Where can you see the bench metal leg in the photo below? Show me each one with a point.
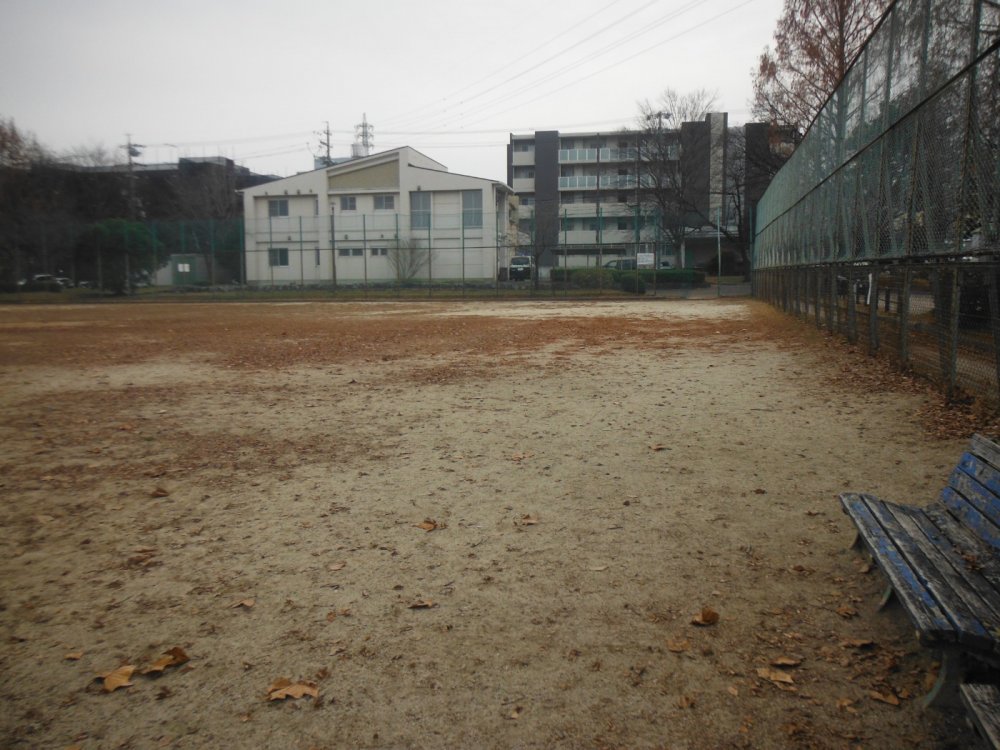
(856, 544)
(945, 690)
(888, 597)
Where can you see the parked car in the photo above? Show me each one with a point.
(520, 268)
(64, 282)
(621, 264)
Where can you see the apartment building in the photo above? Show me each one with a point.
(583, 194)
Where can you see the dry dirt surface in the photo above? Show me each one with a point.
(451, 525)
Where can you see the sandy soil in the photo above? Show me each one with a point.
(454, 525)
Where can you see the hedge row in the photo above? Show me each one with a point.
(589, 278)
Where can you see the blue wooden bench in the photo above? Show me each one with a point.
(942, 562)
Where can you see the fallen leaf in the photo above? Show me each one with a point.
(733, 691)
(685, 701)
(889, 698)
(678, 645)
(284, 688)
(657, 447)
(775, 675)
(528, 520)
(159, 492)
(171, 658)
(422, 604)
(707, 616)
(857, 643)
(245, 603)
(847, 611)
(760, 492)
(516, 713)
(786, 661)
(598, 568)
(429, 524)
(339, 565)
(117, 678)
(74, 656)
(846, 704)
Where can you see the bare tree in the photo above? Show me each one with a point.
(815, 42)
(408, 259)
(663, 188)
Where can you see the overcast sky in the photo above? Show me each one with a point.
(254, 79)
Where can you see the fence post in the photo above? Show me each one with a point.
(903, 308)
(873, 311)
(994, 296)
(831, 297)
(852, 307)
(817, 296)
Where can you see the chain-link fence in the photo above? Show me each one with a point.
(884, 223)
(937, 319)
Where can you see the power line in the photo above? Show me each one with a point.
(615, 64)
(590, 56)
(412, 114)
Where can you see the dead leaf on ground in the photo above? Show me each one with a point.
(846, 704)
(775, 675)
(516, 713)
(733, 691)
(678, 645)
(159, 492)
(422, 604)
(857, 643)
(889, 698)
(707, 616)
(847, 611)
(172, 658)
(339, 565)
(74, 656)
(786, 661)
(244, 603)
(528, 520)
(657, 447)
(521, 456)
(598, 568)
(685, 701)
(429, 524)
(117, 678)
(283, 688)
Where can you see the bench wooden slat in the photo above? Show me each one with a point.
(964, 542)
(976, 482)
(987, 450)
(966, 512)
(946, 578)
(983, 703)
(930, 620)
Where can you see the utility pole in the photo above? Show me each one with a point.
(131, 150)
(325, 143)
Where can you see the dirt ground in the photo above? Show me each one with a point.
(451, 525)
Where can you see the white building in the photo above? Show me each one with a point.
(395, 216)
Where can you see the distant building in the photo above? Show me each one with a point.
(586, 193)
(395, 216)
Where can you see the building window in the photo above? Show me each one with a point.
(420, 210)
(183, 268)
(277, 207)
(472, 209)
(385, 202)
(317, 256)
(623, 224)
(348, 203)
(277, 256)
(358, 252)
(344, 252)
(524, 146)
(527, 200)
(380, 252)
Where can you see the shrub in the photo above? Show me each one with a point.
(633, 285)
